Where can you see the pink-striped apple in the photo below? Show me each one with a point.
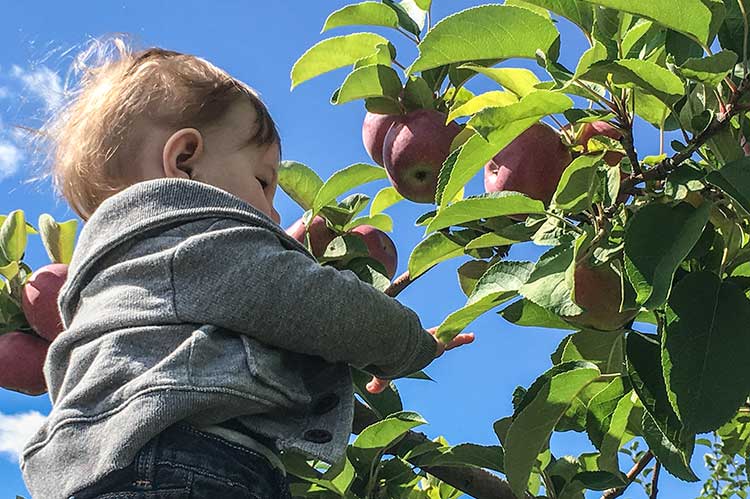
(39, 299)
(414, 150)
(374, 129)
(532, 164)
(320, 234)
(379, 246)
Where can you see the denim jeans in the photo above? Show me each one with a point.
(182, 463)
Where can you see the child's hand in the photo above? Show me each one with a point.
(377, 385)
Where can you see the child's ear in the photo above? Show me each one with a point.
(181, 153)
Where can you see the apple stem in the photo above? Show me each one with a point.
(575, 228)
(399, 64)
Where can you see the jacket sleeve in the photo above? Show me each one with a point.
(241, 277)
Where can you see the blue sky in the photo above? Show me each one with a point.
(258, 43)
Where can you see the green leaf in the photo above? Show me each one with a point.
(423, 4)
(482, 456)
(644, 75)
(13, 237)
(383, 55)
(579, 13)
(613, 433)
(334, 53)
(735, 435)
(495, 98)
(345, 180)
(498, 284)
(58, 238)
(491, 240)
(370, 271)
(494, 204)
(578, 184)
(385, 198)
(367, 13)
(666, 434)
(732, 30)
(705, 349)
(709, 70)
(299, 182)
(368, 447)
(384, 403)
(547, 286)
(734, 179)
(408, 15)
(434, 249)
(531, 428)
(418, 95)
(344, 247)
(657, 239)
(605, 349)
(375, 80)
(602, 407)
(675, 460)
(694, 16)
(379, 220)
(485, 32)
(517, 80)
(469, 273)
(493, 123)
(9, 271)
(461, 165)
(529, 314)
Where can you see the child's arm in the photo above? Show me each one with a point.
(241, 278)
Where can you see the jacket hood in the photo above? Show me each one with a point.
(148, 205)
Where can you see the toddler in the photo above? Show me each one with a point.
(201, 341)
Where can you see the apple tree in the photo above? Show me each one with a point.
(647, 260)
(648, 256)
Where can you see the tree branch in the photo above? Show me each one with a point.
(632, 474)
(399, 284)
(475, 482)
(655, 481)
(667, 165)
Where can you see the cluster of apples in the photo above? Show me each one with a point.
(412, 148)
(379, 245)
(22, 354)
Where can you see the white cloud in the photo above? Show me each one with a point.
(42, 82)
(16, 430)
(4, 92)
(10, 160)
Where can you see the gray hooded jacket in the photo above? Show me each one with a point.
(185, 303)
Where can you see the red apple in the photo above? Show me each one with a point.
(320, 234)
(414, 150)
(22, 361)
(39, 300)
(532, 164)
(598, 291)
(379, 246)
(374, 129)
(596, 128)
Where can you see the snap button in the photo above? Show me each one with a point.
(318, 436)
(325, 403)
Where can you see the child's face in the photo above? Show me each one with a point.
(223, 158)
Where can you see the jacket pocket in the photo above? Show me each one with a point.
(279, 370)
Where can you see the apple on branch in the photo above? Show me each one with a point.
(39, 300)
(374, 129)
(379, 246)
(531, 164)
(414, 150)
(22, 362)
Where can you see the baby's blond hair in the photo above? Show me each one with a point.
(94, 139)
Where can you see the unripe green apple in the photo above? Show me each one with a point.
(532, 164)
(39, 299)
(320, 234)
(414, 151)
(22, 362)
(374, 129)
(380, 247)
(598, 291)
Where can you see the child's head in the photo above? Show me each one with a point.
(157, 113)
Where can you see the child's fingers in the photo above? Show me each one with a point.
(459, 340)
(376, 385)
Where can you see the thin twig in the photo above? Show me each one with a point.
(399, 64)
(399, 284)
(655, 481)
(408, 35)
(632, 474)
